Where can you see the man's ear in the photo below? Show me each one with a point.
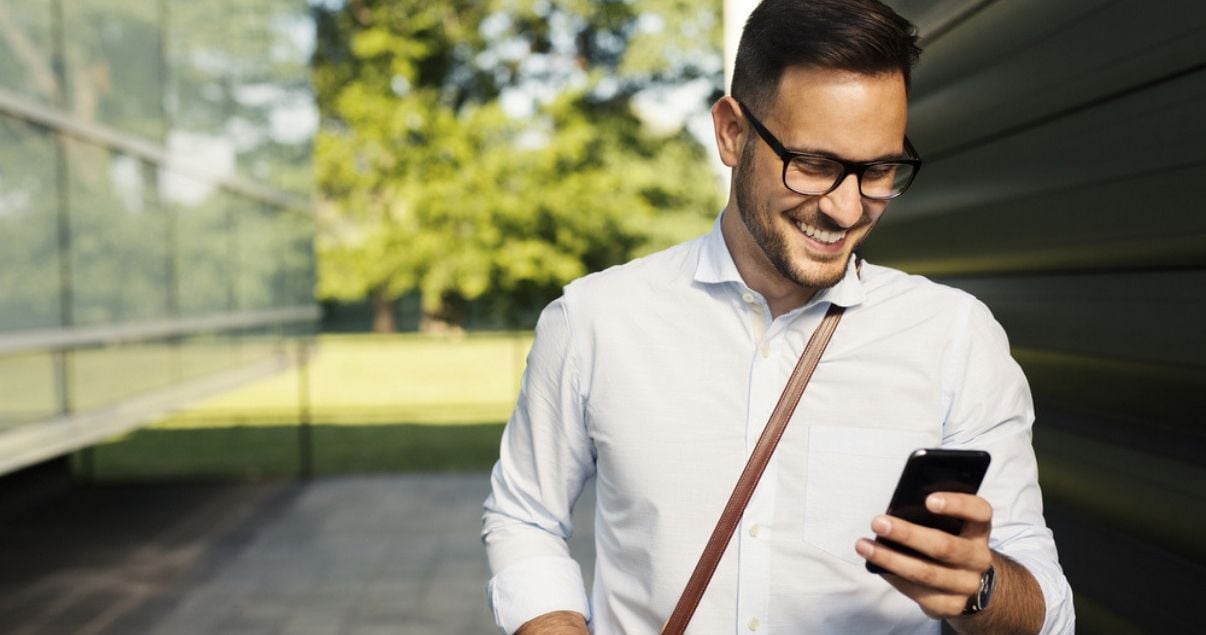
(730, 126)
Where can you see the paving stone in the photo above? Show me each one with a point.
(353, 555)
(306, 621)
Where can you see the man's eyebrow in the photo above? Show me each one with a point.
(893, 156)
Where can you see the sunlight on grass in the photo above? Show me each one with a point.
(375, 402)
(367, 379)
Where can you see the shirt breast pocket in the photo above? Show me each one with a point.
(851, 474)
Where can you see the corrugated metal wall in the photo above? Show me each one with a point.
(1065, 185)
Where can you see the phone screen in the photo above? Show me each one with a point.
(928, 471)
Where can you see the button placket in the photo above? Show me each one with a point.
(759, 317)
(754, 557)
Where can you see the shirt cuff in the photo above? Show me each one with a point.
(535, 586)
(1059, 617)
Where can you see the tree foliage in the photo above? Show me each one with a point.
(490, 151)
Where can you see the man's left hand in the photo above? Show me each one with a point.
(943, 585)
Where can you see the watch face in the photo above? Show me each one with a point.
(979, 601)
(987, 582)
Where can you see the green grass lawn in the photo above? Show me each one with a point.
(364, 379)
(375, 403)
(252, 452)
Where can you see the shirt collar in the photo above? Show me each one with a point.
(847, 292)
(716, 266)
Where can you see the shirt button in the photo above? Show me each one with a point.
(765, 350)
(755, 530)
(748, 297)
(754, 624)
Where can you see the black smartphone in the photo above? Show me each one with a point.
(928, 471)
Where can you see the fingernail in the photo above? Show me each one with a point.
(936, 502)
(864, 548)
(881, 525)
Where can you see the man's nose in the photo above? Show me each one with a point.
(845, 203)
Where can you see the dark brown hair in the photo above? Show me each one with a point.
(861, 36)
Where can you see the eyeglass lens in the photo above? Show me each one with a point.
(817, 175)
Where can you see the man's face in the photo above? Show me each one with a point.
(808, 240)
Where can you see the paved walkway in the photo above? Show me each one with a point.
(354, 555)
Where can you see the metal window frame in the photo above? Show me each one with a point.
(75, 337)
(25, 444)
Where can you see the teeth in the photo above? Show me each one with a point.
(820, 234)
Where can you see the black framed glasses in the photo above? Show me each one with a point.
(818, 174)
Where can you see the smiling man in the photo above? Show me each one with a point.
(657, 377)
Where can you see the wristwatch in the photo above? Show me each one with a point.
(979, 601)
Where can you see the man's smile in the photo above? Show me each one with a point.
(821, 235)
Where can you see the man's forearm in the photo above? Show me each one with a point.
(1016, 607)
(555, 623)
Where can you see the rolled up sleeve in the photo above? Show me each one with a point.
(545, 458)
(991, 409)
(536, 586)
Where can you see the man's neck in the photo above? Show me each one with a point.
(758, 272)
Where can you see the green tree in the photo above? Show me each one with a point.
(428, 183)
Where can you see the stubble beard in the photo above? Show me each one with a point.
(758, 220)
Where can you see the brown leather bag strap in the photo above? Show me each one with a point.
(754, 468)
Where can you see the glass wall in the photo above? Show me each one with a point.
(116, 238)
(29, 221)
(238, 89)
(155, 216)
(28, 29)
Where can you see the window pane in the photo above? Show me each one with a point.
(29, 254)
(240, 70)
(275, 252)
(299, 262)
(27, 388)
(104, 376)
(205, 256)
(25, 45)
(119, 250)
(113, 64)
(207, 354)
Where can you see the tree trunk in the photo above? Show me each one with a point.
(385, 319)
(448, 319)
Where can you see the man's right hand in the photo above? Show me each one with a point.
(555, 623)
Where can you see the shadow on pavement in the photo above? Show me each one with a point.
(375, 554)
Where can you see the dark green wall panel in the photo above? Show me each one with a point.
(1150, 220)
(1152, 316)
(1124, 584)
(1155, 499)
(1020, 61)
(1154, 130)
(1065, 185)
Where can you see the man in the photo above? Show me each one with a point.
(657, 377)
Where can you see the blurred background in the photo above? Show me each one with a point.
(269, 269)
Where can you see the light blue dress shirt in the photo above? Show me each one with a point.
(656, 378)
